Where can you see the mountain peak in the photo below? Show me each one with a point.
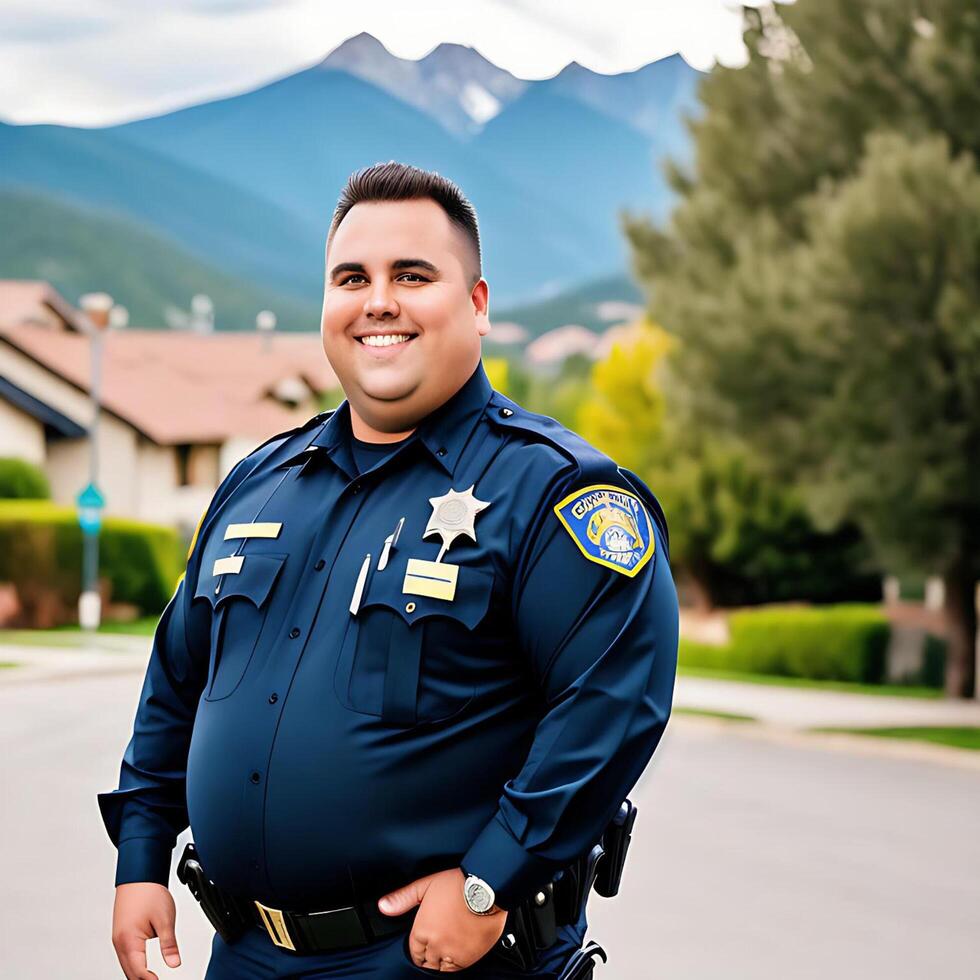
(359, 46)
(458, 54)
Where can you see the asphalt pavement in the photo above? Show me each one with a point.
(753, 856)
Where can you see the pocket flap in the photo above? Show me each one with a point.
(254, 582)
(469, 604)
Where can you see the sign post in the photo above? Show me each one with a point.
(90, 505)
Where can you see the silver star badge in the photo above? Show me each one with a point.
(453, 514)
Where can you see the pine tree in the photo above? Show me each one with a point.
(822, 271)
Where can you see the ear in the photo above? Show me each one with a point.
(480, 298)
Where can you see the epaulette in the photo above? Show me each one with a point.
(305, 427)
(239, 472)
(544, 428)
(511, 415)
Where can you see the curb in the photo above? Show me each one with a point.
(848, 742)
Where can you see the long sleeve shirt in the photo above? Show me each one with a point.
(462, 656)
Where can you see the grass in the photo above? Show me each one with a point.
(74, 636)
(708, 713)
(7, 663)
(959, 737)
(891, 690)
(138, 627)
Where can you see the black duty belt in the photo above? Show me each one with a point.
(530, 927)
(298, 932)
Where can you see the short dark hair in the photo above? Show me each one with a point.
(393, 181)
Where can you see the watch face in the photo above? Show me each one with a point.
(479, 895)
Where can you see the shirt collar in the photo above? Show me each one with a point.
(443, 432)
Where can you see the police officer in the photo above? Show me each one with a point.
(423, 647)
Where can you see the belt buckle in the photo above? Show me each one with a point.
(275, 926)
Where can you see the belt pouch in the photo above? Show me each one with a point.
(615, 842)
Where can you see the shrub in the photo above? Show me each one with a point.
(41, 553)
(846, 642)
(22, 480)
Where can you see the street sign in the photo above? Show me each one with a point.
(90, 505)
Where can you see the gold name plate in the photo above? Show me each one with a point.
(231, 565)
(431, 578)
(267, 530)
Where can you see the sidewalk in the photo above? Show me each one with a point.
(107, 653)
(787, 708)
(797, 708)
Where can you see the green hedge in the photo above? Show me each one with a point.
(41, 550)
(20, 480)
(846, 642)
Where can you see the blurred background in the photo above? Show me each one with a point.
(735, 247)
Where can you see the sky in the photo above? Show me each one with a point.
(109, 61)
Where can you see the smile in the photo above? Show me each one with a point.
(386, 340)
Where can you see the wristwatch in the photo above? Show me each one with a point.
(478, 894)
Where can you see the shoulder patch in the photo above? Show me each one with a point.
(610, 525)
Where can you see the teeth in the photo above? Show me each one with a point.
(383, 340)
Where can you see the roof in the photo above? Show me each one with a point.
(39, 410)
(33, 301)
(172, 386)
(557, 344)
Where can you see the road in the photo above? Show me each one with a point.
(752, 857)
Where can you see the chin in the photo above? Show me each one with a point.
(381, 391)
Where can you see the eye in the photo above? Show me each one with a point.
(417, 276)
(347, 279)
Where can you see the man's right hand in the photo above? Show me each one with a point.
(143, 910)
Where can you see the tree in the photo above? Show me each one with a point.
(738, 536)
(822, 270)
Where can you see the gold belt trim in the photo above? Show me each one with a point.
(275, 926)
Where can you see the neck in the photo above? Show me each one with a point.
(361, 430)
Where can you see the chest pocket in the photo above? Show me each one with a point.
(409, 658)
(239, 612)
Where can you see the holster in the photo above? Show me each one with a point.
(532, 925)
(615, 843)
(224, 911)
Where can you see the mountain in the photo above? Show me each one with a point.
(232, 229)
(79, 250)
(653, 99)
(595, 305)
(453, 84)
(248, 184)
(296, 141)
(577, 157)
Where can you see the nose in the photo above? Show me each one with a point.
(380, 304)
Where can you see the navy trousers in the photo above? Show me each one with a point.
(254, 957)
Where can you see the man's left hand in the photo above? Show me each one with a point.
(446, 936)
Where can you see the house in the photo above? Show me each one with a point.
(178, 409)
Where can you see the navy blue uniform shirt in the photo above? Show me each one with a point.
(490, 712)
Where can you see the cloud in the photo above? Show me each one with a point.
(123, 60)
(48, 27)
(220, 8)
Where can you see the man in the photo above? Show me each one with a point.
(423, 647)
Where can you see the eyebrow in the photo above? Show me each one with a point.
(397, 264)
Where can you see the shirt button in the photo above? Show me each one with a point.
(441, 451)
(294, 632)
(319, 565)
(506, 412)
(356, 488)
(255, 777)
(273, 698)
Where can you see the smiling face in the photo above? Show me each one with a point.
(398, 274)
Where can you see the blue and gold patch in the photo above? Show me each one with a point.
(610, 526)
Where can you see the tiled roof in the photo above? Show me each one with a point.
(172, 386)
(32, 300)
